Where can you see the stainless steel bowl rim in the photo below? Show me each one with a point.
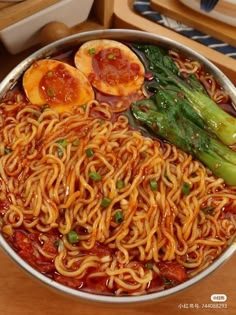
(122, 35)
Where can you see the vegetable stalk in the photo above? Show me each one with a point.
(169, 118)
(167, 74)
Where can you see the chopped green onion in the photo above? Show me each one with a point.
(166, 280)
(105, 202)
(76, 142)
(89, 152)
(102, 122)
(61, 246)
(149, 265)
(120, 184)
(95, 176)
(84, 106)
(119, 217)
(208, 210)
(167, 177)
(36, 114)
(111, 56)
(44, 107)
(7, 151)
(60, 152)
(72, 237)
(153, 184)
(92, 51)
(56, 243)
(50, 92)
(49, 74)
(186, 188)
(62, 142)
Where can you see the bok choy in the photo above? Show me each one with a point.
(167, 74)
(181, 112)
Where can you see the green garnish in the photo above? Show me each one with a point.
(50, 92)
(95, 176)
(153, 184)
(7, 151)
(84, 106)
(186, 188)
(181, 112)
(49, 74)
(76, 142)
(119, 217)
(36, 114)
(56, 243)
(111, 56)
(208, 210)
(62, 142)
(72, 237)
(120, 184)
(89, 152)
(166, 280)
(149, 265)
(44, 107)
(166, 176)
(60, 152)
(105, 202)
(92, 51)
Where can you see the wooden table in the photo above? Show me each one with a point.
(22, 295)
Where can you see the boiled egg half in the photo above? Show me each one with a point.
(56, 83)
(111, 66)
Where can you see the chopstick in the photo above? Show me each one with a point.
(208, 5)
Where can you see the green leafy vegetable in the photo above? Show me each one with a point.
(168, 120)
(180, 112)
(167, 75)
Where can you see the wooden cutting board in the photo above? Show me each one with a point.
(11, 13)
(178, 11)
(20, 294)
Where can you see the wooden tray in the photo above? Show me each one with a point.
(11, 13)
(125, 17)
(178, 11)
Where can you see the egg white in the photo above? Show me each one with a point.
(84, 62)
(82, 91)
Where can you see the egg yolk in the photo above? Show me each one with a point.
(58, 86)
(113, 67)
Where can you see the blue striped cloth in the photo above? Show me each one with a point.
(143, 8)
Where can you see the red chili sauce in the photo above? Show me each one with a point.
(58, 86)
(112, 67)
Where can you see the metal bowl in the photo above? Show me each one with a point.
(122, 35)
